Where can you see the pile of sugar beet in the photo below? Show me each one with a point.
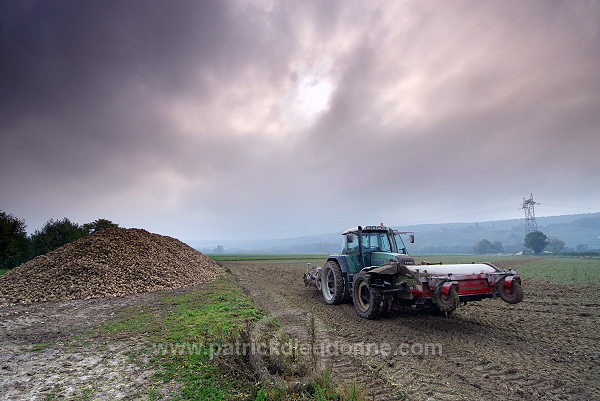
(108, 263)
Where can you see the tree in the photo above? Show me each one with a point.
(536, 241)
(55, 234)
(485, 246)
(14, 245)
(555, 245)
(497, 247)
(99, 224)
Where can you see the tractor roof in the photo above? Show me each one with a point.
(365, 228)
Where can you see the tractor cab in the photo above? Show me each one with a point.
(374, 246)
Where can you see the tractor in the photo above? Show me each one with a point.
(375, 272)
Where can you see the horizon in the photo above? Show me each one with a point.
(206, 243)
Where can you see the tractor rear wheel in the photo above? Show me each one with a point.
(332, 283)
(367, 301)
(447, 303)
(512, 294)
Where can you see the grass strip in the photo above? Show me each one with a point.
(186, 333)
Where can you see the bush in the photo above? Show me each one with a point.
(55, 234)
(14, 245)
(485, 246)
(555, 245)
(99, 224)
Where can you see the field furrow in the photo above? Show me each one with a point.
(546, 348)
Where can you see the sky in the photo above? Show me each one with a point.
(208, 120)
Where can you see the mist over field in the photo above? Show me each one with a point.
(578, 232)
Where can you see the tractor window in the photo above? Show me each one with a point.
(400, 244)
(351, 247)
(376, 242)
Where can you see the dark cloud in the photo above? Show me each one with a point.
(182, 117)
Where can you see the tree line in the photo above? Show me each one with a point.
(17, 247)
(536, 241)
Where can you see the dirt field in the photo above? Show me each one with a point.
(545, 348)
(53, 350)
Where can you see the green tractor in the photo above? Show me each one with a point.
(375, 272)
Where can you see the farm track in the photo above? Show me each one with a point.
(545, 348)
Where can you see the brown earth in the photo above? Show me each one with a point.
(545, 348)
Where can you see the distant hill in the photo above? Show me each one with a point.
(581, 230)
(573, 230)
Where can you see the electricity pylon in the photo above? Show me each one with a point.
(530, 224)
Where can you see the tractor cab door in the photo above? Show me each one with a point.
(353, 251)
(401, 248)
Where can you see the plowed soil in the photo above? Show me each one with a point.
(545, 348)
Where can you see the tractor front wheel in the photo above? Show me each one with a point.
(332, 283)
(367, 301)
(512, 294)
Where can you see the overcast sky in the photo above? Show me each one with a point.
(268, 119)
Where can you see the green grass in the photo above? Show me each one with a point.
(448, 259)
(2, 271)
(134, 320)
(184, 328)
(39, 347)
(183, 331)
(562, 270)
(220, 311)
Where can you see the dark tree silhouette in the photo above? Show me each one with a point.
(55, 234)
(14, 244)
(536, 241)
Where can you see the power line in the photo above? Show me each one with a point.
(441, 220)
(573, 207)
(483, 212)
